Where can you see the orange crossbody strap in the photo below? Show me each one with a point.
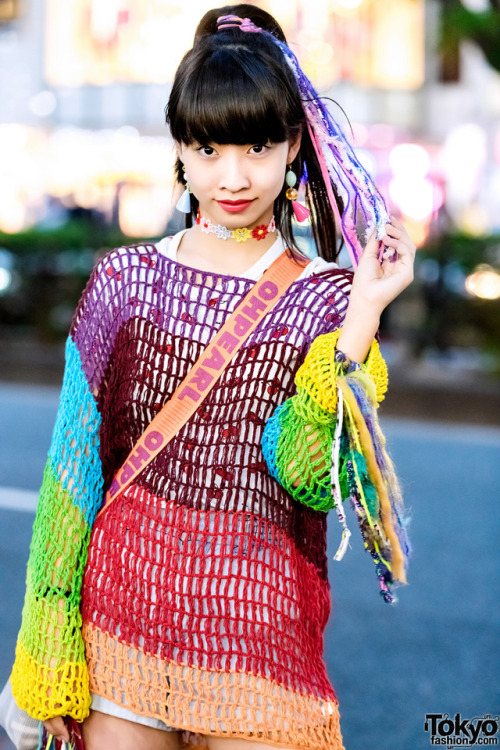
(206, 371)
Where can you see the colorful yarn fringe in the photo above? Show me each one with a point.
(325, 444)
(363, 205)
(362, 202)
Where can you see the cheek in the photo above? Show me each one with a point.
(271, 180)
(199, 180)
(276, 174)
(276, 185)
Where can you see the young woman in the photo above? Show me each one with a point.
(191, 612)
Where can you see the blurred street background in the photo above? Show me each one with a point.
(86, 164)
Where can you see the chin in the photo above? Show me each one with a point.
(233, 221)
(236, 220)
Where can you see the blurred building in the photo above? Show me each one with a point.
(83, 86)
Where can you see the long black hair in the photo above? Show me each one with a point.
(235, 87)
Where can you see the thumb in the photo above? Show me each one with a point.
(372, 248)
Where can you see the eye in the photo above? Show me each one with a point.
(206, 150)
(260, 148)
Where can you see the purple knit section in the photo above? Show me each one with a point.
(140, 282)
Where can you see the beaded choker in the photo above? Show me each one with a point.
(240, 235)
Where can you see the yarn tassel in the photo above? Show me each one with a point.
(374, 488)
(335, 479)
(400, 515)
(300, 211)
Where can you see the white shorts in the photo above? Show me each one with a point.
(106, 706)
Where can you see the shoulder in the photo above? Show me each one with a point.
(327, 277)
(109, 299)
(163, 245)
(320, 267)
(118, 267)
(111, 279)
(121, 259)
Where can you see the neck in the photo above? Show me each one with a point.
(211, 253)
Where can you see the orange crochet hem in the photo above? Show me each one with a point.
(224, 704)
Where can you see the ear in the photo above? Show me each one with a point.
(293, 149)
(179, 149)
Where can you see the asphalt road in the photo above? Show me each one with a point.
(436, 651)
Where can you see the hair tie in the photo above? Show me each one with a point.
(245, 24)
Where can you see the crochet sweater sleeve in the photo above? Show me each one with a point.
(324, 445)
(49, 675)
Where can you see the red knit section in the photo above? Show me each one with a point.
(214, 590)
(216, 458)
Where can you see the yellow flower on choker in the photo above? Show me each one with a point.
(241, 235)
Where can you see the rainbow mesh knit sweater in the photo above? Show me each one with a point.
(200, 597)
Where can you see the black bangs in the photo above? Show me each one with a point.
(235, 97)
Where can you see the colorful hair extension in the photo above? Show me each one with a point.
(363, 203)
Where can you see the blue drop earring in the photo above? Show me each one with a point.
(300, 211)
(184, 202)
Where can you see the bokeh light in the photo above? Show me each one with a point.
(409, 160)
(143, 209)
(475, 220)
(410, 188)
(349, 3)
(476, 6)
(5, 280)
(43, 104)
(484, 282)
(382, 135)
(463, 157)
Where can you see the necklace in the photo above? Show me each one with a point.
(240, 235)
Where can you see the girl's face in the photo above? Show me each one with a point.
(237, 185)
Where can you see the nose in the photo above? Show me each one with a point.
(233, 175)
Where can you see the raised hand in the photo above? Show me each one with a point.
(377, 283)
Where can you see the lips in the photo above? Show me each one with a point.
(234, 207)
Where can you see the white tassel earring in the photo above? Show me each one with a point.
(184, 202)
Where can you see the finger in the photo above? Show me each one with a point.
(401, 265)
(403, 244)
(57, 728)
(372, 246)
(407, 248)
(400, 228)
(63, 737)
(393, 230)
(391, 241)
(396, 222)
(391, 247)
(399, 250)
